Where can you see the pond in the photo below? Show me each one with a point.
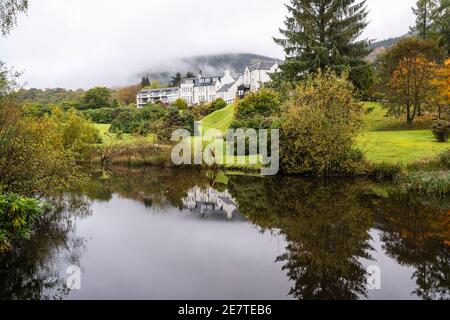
(186, 234)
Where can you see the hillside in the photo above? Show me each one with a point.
(208, 64)
(379, 47)
(220, 120)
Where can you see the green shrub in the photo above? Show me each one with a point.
(137, 121)
(386, 171)
(257, 110)
(180, 104)
(17, 216)
(319, 126)
(79, 136)
(104, 115)
(173, 120)
(217, 105)
(441, 130)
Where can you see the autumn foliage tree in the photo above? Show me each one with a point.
(411, 85)
(441, 99)
(127, 95)
(407, 49)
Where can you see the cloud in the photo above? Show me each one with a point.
(83, 43)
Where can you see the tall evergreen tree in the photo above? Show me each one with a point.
(442, 23)
(325, 33)
(176, 80)
(426, 13)
(145, 82)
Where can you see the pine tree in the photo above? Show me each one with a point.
(176, 80)
(145, 82)
(442, 23)
(324, 33)
(426, 13)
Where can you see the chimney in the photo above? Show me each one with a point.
(227, 73)
(200, 74)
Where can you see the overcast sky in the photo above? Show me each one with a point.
(84, 43)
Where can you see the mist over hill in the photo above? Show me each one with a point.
(214, 65)
(210, 65)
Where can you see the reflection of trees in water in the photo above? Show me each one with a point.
(30, 270)
(418, 236)
(155, 187)
(325, 225)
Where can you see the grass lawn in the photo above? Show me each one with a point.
(125, 138)
(377, 120)
(400, 146)
(396, 145)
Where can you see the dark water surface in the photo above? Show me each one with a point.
(183, 234)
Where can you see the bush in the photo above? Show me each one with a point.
(258, 110)
(200, 111)
(137, 121)
(319, 125)
(386, 171)
(174, 120)
(33, 159)
(104, 115)
(217, 105)
(441, 130)
(79, 136)
(17, 216)
(180, 104)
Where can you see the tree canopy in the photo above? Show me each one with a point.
(9, 9)
(323, 34)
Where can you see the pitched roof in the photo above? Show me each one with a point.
(226, 87)
(263, 65)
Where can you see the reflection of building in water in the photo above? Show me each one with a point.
(212, 203)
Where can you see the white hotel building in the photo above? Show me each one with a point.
(207, 89)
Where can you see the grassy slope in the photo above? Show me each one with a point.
(220, 120)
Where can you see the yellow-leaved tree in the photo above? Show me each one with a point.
(411, 85)
(442, 85)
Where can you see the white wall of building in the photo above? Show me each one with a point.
(207, 89)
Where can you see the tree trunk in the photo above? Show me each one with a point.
(410, 114)
(409, 120)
